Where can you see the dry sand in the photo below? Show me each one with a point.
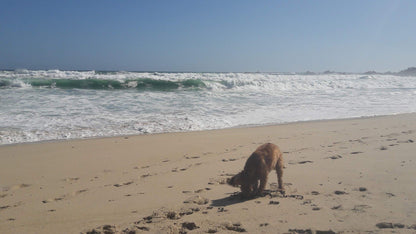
(341, 176)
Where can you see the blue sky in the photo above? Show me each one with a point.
(208, 35)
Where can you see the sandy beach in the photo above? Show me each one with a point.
(341, 176)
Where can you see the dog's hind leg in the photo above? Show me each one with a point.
(263, 182)
(279, 172)
(263, 173)
(255, 186)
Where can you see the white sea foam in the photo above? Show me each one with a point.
(227, 100)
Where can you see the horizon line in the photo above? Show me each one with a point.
(167, 71)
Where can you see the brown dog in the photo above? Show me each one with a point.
(258, 166)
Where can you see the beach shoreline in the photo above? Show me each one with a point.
(124, 182)
(248, 126)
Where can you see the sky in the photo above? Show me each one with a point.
(208, 35)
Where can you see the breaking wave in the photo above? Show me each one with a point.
(157, 81)
(141, 84)
(55, 104)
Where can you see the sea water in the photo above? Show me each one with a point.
(50, 105)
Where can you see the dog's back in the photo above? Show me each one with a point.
(264, 159)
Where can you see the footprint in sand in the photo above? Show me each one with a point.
(301, 162)
(145, 175)
(124, 184)
(103, 229)
(338, 192)
(193, 157)
(300, 231)
(52, 199)
(383, 148)
(189, 225)
(11, 206)
(307, 202)
(4, 207)
(181, 169)
(335, 157)
(237, 227)
(338, 207)
(142, 228)
(395, 225)
(79, 191)
(274, 203)
(362, 189)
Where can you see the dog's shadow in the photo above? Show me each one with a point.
(236, 198)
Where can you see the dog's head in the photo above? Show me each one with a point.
(236, 180)
(242, 180)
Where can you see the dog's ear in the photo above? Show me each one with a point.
(231, 181)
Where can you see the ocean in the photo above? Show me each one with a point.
(40, 105)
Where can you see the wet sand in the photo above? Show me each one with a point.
(355, 175)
